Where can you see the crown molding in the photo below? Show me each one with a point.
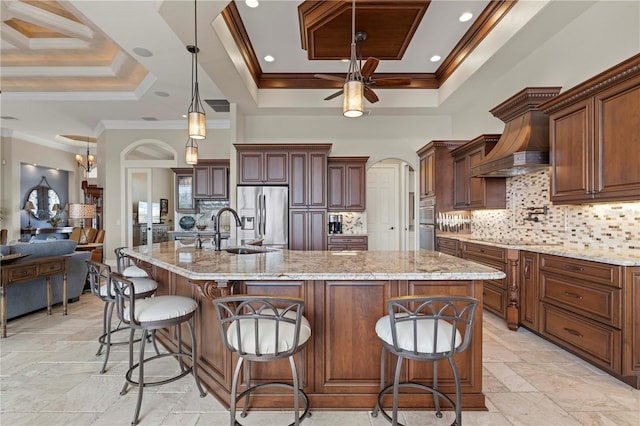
(218, 124)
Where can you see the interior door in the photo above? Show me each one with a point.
(383, 206)
(139, 207)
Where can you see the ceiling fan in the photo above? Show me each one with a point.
(366, 73)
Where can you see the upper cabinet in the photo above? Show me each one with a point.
(308, 183)
(436, 172)
(347, 185)
(262, 164)
(471, 193)
(595, 138)
(211, 179)
(184, 190)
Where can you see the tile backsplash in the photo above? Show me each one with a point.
(353, 222)
(599, 226)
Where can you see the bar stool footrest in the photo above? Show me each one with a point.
(301, 393)
(183, 373)
(103, 339)
(382, 393)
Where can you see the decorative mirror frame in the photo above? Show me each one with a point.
(37, 195)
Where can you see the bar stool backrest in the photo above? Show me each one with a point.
(262, 327)
(100, 280)
(430, 327)
(125, 299)
(126, 266)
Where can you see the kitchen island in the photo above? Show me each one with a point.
(345, 294)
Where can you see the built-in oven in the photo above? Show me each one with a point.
(427, 222)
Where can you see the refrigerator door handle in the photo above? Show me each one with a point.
(259, 214)
(264, 214)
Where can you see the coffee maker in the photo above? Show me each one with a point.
(335, 223)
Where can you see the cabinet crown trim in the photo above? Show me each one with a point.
(614, 75)
(282, 147)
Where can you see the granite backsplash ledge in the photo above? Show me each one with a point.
(598, 226)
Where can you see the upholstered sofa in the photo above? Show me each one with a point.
(30, 296)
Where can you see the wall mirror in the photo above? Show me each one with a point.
(44, 198)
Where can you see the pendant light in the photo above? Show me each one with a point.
(191, 152)
(353, 104)
(90, 160)
(196, 116)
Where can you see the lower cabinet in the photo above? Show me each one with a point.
(494, 292)
(447, 246)
(588, 308)
(339, 242)
(529, 297)
(308, 229)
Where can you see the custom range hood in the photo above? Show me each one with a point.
(524, 145)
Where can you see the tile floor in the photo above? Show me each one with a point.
(49, 376)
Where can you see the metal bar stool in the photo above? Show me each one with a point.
(264, 328)
(101, 287)
(148, 315)
(424, 329)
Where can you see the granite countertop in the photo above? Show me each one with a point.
(620, 257)
(206, 264)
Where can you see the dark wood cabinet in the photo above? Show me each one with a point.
(588, 308)
(94, 195)
(529, 298)
(436, 172)
(308, 229)
(308, 171)
(347, 184)
(211, 179)
(183, 185)
(470, 193)
(347, 242)
(448, 246)
(262, 167)
(594, 138)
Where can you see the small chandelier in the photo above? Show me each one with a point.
(191, 152)
(196, 117)
(353, 104)
(90, 161)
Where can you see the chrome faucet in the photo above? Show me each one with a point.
(216, 224)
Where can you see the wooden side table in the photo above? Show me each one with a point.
(14, 274)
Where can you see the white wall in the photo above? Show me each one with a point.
(567, 58)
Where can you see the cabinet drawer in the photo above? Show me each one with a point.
(590, 271)
(23, 273)
(494, 298)
(448, 246)
(600, 303)
(346, 240)
(487, 252)
(596, 342)
(492, 264)
(338, 247)
(51, 268)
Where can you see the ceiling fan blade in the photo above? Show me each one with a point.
(338, 93)
(370, 95)
(369, 67)
(329, 77)
(399, 81)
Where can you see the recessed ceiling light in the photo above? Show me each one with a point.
(184, 115)
(149, 119)
(435, 58)
(269, 58)
(465, 17)
(251, 3)
(141, 51)
(344, 60)
(162, 94)
(8, 117)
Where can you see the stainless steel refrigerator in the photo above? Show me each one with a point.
(264, 211)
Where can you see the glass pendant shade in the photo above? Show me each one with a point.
(197, 126)
(353, 104)
(191, 152)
